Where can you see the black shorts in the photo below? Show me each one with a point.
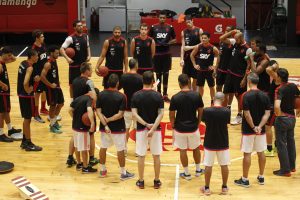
(232, 84)
(205, 75)
(105, 79)
(74, 72)
(55, 96)
(162, 63)
(27, 107)
(221, 77)
(189, 69)
(140, 71)
(4, 103)
(39, 87)
(271, 119)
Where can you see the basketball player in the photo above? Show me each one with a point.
(202, 58)
(6, 56)
(190, 37)
(148, 109)
(235, 83)
(185, 114)
(55, 97)
(142, 48)
(115, 53)
(164, 36)
(26, 98)
(78, 107)
(256, 107)
(223, 62)
(262, 61)
(216, 142)
(272, 72)
(39, 87)
(83, 85)
(79, 41)
(111, 105)
(131, 82)
(285, 95)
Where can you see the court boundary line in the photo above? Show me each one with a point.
(22, 52)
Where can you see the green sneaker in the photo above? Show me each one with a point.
(53, 129)
(94, 161)
(57, 125)
(269, 153)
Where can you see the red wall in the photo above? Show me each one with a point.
(48, 15)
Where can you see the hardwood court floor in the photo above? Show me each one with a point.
(47, 169)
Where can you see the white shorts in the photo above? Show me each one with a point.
(187, 140)
(223, 157)
(119, 140)
(129, 120)
(252, 143)
(143, 141)
(81, 141)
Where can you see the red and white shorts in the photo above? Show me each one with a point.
(81, 141)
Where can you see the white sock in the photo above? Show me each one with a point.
(244, 179)
(9, 127)
(103, 168)
(260, 176)
(198, 167)
(52, 121)
(1, 131)
(123, 170)
(186, 170)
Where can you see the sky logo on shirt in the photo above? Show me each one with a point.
(161, 35)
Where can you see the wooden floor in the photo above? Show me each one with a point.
(47, 169)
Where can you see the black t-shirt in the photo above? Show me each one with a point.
(147, 102)
(42, 53)
(271, 92)
(52, 75)
(131, 83)
(4, 79)
(111, 102)
(81, 85)
(205, 56)
(115, 54)
(238, 64)
(264, 78)
(216, 120)
(143, 52)
(225, 55)
(162, 34)
(287, 93)
(21, 76)
(186, 104)
(191, 38)
(80, 45)
(257, 102)
(80, 106)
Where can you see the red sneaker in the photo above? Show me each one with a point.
(44, 111)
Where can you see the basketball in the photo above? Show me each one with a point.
(103, 71)
(297, 103)
(70, 52)
(85, 119)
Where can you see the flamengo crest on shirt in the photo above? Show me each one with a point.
(27, 3)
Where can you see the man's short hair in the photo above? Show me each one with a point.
(262, 47)
(5, 50)
(272, 62)
(143, 25)
(75, 22)
(148, 77)
(206, 33)
(37, 33)
(253, 78)
(117, 28)
(112, 81)
(283, 74)
(85, 67)
(132, 63)
(183, 79)
(53, 48)
(188, 17)
(163, 12)
(31, 52)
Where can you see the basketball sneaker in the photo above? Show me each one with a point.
(16, 136)
(44, 111)
(13, 130)
(4, 138)
(39, 119)
(269, 153)
(205, 191)
(238, 120)
(140, 184)
(260, 180)
(57, 125)
(242, 183)
(279, 173)
(126, 176)
(224, 190)
(88, 169)
(185, 176)
(93, 161)
(54, 129)
(103, 173)
(32, 147)
(79, 166)
(58, 118)
(157, 184)
(71, 161)
(200, 172)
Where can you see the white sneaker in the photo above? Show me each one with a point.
(17, 136)
(58, 118)
(238, 120)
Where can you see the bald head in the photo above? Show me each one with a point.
(239, 37)
(219, 96)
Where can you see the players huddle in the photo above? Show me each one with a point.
(141, 107)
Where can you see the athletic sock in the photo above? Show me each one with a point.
(52, 121)
(9, 126)
(103, 167)
(244, 179)
(186, 170)
(123, 170)
(198, 167)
